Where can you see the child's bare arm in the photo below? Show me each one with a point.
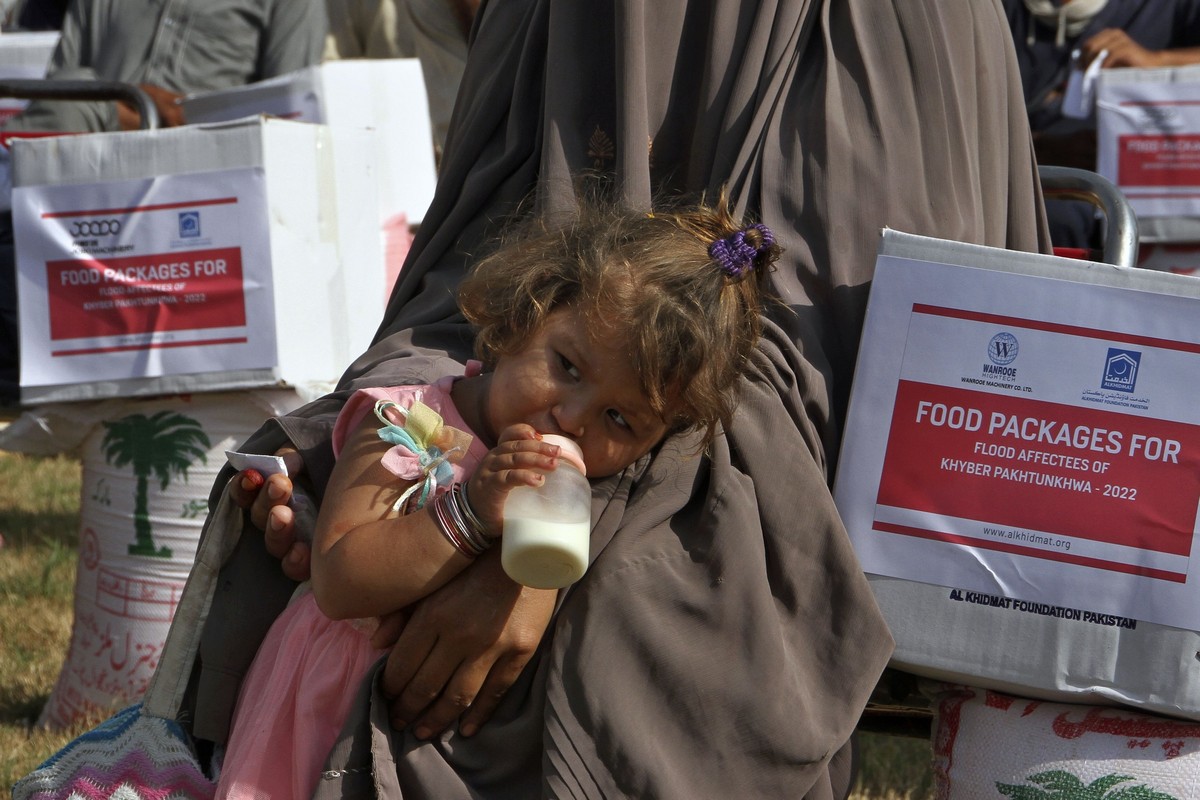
(369, 560)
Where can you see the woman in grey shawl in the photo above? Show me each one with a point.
(724, 640)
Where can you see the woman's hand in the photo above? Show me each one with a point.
(461, 648)
(268, 500)
(456, 652)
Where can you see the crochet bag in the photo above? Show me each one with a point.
(130, 755)
(142, 752)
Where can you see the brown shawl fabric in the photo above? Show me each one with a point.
(724, 640)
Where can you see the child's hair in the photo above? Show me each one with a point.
(682, 285)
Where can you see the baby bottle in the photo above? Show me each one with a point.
(547, 529)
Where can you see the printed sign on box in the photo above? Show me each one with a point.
(196, 258)
(1020, 473)
(1006, 472)
(24, 55)
(135, 270)
(1148, 144)
(1040, 442)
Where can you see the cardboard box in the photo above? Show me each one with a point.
(1181, 258)
(24, 55)
(386, 95)
(995, 480)
(1148, 144)
(198, 258)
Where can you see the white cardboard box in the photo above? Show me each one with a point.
(1148, 145)
(24, 54)
(198, 258)
(996, 553)
(387, 95)
(1180, 258)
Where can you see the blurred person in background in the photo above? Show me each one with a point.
(170, 48)
(1130, 33)
(167, 47)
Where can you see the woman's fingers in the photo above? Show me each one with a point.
(269, 501)
(411, 650)
(276, 491)
(463, 647)
(245, 487)
(389, 630)
(499, 680)
(435, 702)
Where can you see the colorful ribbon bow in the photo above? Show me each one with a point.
(430, 442)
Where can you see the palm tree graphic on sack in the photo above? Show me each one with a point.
(164, 445)
(1062, 785)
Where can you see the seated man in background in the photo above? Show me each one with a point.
(187, 46)
(1131, 33)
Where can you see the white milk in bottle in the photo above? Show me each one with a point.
(547, 529)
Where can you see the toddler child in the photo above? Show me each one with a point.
(612, 328)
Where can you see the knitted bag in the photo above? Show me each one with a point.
(130, 755)
(142, 753)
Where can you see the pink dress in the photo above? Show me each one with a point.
(309, 668)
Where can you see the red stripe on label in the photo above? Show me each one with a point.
(149, 346)
(1158, 160)
(89, 212)
(1055, 327)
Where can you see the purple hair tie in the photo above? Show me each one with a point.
(735, 256)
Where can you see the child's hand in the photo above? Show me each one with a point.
(520, 458)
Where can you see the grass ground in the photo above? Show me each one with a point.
(39, 523)
(893, 768)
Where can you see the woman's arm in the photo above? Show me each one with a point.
(460, 648)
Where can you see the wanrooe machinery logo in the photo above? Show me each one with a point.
(1003, 349)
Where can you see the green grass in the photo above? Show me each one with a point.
(893, 768)
(39, 523)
